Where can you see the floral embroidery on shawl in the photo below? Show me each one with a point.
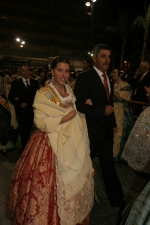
(50, 94)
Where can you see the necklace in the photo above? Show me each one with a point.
(63, 95)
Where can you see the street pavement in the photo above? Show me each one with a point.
(102, 213)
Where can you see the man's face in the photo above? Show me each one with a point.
(142, 68)
(85, 64)
(25, 72)
(102, 60)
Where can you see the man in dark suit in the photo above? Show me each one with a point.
(94, 93)
(22, 94)
(139, 92)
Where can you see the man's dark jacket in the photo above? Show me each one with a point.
(89, 85)
(18, 89)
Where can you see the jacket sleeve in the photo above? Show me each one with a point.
(13, 93)
(82, 92)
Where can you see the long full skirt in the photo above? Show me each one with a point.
(137, 149)
(139, 214)
(33, 197)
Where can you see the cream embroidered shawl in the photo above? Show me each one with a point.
(68, 140)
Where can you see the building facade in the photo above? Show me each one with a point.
(48, 28)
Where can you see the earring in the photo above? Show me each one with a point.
(52, 77)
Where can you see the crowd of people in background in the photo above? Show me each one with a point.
(124, 89)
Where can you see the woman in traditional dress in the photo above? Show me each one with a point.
(123, 114)
(137, 149)
(52, 183)
(138, 211)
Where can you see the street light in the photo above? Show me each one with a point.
(90, 53)
(21, 42)
(88, 4)
(91, 4)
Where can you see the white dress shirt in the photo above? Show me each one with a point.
(24, 81)
(102, 78)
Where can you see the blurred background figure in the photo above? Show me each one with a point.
(38, 77)
(123, 113)
(78, 72)
(21, 95)
(7, 134)
(87, 64)
(72, 80)
(142, 79)
(14, 122)
(48, 77)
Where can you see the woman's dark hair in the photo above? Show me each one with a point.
(59, 59)
(122, 74)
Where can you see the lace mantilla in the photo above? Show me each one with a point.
(75, 200)
(63, 99)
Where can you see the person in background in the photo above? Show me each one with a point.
(48, 77)
(72, 80)
(14, 122)
(7, 134)
(123, 113)
(21, 95)
(53, 179)
(141, 80)
(38, 77)
(87, 64)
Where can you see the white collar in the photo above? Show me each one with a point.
(25, 79)
(100, 73)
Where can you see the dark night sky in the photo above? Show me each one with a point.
(109, 9)
(135, 6)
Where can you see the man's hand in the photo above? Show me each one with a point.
(16, 99)
(88, 101)
(115, 129)
(147, 89)
(23, 105)
(108, 110)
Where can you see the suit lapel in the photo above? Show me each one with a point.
(22, 84)
(100, 85)
(98, 81)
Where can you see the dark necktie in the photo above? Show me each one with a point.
(106, 85)
(27, 84)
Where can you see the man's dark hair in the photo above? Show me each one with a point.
(89, 62)
(98, 47)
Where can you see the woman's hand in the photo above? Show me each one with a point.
(69, 116)
(88, 102)
(115, 129)
(68, 104)
(147, 89)
(116, 95)
(16, 99)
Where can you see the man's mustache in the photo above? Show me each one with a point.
(106, 64)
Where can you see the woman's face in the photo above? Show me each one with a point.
(61, 73)
(115, 75)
